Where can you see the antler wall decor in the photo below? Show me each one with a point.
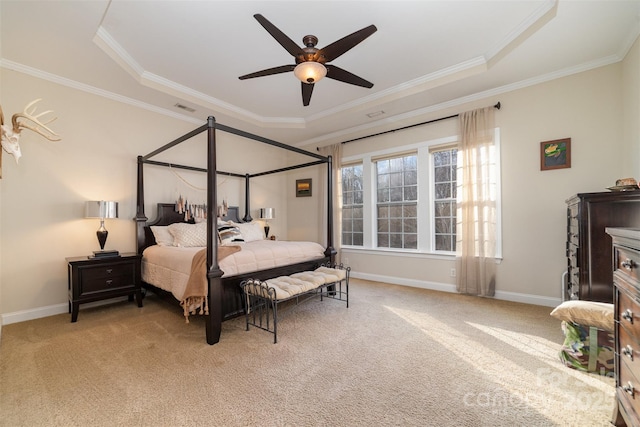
(25, 120)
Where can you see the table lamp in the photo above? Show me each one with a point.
(266, 214)
(102, 209)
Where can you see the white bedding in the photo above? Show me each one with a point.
(168, 267)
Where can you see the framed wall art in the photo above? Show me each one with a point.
(555, 154)
(303, 187)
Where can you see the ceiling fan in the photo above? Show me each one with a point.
(311, 63)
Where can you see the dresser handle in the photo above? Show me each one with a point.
(629, 264)
(109, 282)
(628, 315)
(628, 351)
(109, 270)
(629, 388)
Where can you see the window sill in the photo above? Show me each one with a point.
(403, 253)
(397, 252)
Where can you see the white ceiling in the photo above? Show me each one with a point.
(425, 56)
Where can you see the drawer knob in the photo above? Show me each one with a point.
(629, 264)
(628, 315)
(628, 351)
(109, 270)
(629, 389)
(109, 282)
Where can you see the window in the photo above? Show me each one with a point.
(444, 199)
(397, 202)
(352, 200)
(404, 198)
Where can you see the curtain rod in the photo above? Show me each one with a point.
(496, 106)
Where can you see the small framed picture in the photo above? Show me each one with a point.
(303, 187)
(555, 154)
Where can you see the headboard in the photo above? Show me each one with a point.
(167, 215)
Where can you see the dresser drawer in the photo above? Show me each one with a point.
(628, 390)
(627, 263)
(627, 312)
(629, 351)
(573, 235)
(572, 254)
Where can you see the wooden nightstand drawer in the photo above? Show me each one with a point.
(117, 272)
(102, 284)
(94, 279)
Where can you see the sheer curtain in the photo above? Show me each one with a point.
(476, 199)
(335, 151)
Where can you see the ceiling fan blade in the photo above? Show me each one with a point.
(268, 72)
(339, 47)
(337, 73)
(307, 90)
(280, 37)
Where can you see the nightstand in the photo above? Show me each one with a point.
(94, 279)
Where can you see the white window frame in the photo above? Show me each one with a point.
(351, 165)
(426, 238)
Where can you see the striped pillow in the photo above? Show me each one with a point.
(229, 233)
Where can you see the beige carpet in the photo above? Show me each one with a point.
(396, 356)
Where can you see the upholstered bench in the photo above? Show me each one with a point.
(262, 297)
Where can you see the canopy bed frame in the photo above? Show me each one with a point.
(225, 298)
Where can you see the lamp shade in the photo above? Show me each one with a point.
(101, 209)
(267, 213)
(310, 72)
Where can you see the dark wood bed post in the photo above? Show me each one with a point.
(214, 274)
(330, 252)
(140, 218)
(247, 198)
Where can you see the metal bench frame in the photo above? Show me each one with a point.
(261, 305)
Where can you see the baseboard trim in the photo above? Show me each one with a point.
(35, 313)
(445, 287)
(52, 310)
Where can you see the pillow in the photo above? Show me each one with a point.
(586, 313)
(189, 235)
(162, 235)
(228, 233)
(251, 231)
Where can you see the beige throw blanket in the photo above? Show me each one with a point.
(195, 294)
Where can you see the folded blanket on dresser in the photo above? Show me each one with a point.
(195, 295)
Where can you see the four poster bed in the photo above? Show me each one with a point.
(226, 265)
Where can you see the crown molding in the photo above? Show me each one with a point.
(63, 81)
(117, 53)
(488, 94)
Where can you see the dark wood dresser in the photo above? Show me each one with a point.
(588, 246)
(626, 281)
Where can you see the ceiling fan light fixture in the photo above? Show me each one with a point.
(310, 72)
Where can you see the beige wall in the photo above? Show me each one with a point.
(588, 108)
(42, 198)
(631, 107)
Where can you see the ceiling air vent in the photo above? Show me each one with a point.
(184, 107)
